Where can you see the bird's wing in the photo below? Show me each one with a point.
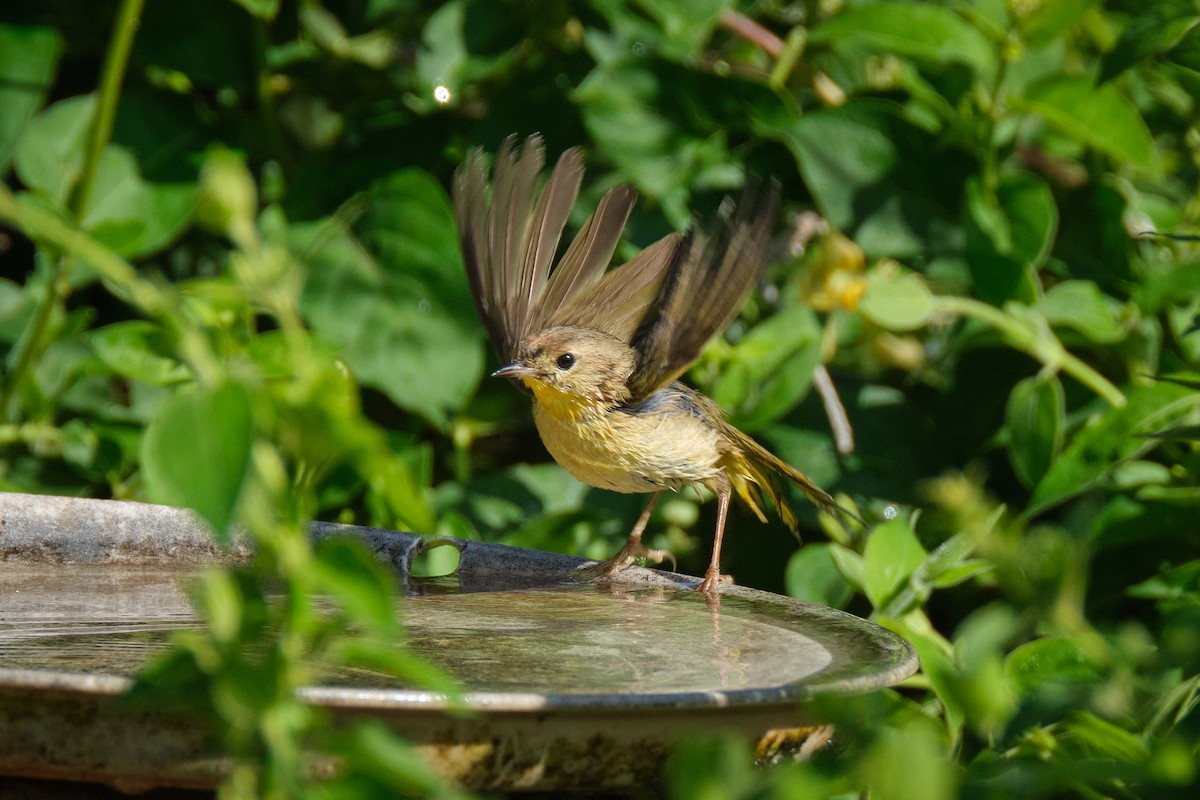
(509, 242)
(706, 282)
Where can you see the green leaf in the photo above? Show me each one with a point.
(1081, 306)
(138, 349)
(686, 24)
(1009, 234)
(961, 573)
(891, 555)
(1185, 53)
(79, 443)
(1104, 738)
(1050, 660)
(665, 126)
(343, 568)
(133, 217)
(850, 564)
(1046, 21)
(1096, 116)
(876, 175)
(901, 304)
(376, 751)
(263, 9)
(1149, 34)
(28, 60)
(1112, 436)
(196, 453)
(49, 154)
(922, 31)
(812, 575)
(1034, 420)
(770, 369)
(1177, 585)
(390, 291)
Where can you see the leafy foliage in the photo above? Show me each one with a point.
(242, 229)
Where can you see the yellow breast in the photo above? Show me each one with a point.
(624, 452)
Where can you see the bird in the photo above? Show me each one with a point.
(602, 350)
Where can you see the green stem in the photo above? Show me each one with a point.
(111, 78)
(1046, 349)
(151, 299)
(785, 64)
(57, 287)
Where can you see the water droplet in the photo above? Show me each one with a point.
(638, 48)
(441, 93)
(891, 512)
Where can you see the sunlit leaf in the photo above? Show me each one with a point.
(28, 58)
(1097, 116)
(1043, 22)
(391, 292)
(770, 369)
(899, 304)
(812, 575)
(1112, 437)
(195, 454)
(891, 555)
(359, 583)
(922, 31)
(49, 154)
(1051, 660)
(137, 349)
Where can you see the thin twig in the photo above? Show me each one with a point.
(752, 32)
(839, 421)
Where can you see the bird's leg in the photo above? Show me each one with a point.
(633, 547)
(712, 576)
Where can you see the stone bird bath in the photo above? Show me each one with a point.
(571, 686)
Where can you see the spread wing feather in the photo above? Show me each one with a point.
(667, 301)
(705, 287)
(509, 241)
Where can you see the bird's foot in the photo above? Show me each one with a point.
(713, 582)
(624, 558)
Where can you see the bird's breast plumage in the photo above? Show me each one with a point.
(664, 442)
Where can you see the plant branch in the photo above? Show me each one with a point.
(111, 78)
(153, 300)
(1045, 348)
(57, 286)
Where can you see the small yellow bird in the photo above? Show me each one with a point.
(601, 349)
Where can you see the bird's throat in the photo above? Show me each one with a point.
(558, 404)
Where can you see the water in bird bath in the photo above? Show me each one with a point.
(564, 639)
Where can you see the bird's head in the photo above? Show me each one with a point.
(573, 366)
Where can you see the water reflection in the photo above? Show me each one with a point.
(568, 639)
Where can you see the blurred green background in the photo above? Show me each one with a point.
(231, 217)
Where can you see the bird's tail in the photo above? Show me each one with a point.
(756, 473)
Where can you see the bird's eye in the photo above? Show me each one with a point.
(566, 361)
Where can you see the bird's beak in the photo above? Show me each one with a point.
(514, 370)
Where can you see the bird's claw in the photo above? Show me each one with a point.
(625, 558)
(713, 582)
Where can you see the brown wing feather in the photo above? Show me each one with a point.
(588, 256)
(470, 210)
(617, 302)
(706, 285)
(509, 243)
